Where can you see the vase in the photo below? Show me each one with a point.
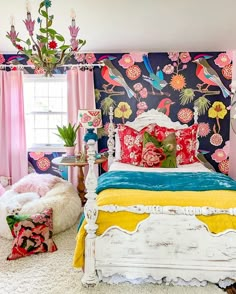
(70, 150)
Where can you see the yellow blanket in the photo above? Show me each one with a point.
(129, 221)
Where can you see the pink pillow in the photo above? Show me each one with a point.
(39, 183)
(2, 190)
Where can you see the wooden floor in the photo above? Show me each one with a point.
(231, 289)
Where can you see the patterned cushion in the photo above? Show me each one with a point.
(159, 152)
(32, 234)
(131, 142)
(187, 145)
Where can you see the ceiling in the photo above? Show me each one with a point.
(134, 25)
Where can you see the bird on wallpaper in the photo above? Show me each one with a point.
(164, 106)
(112, 75)
(208, 75)
(156, 80)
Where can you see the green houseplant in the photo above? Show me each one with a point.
(68, 135)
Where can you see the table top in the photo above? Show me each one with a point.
(58, 161)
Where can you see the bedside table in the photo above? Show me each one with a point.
(80, 165)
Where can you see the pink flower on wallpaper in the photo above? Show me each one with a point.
(39, 71)
(222, 60)
(142, 105)
(90, 58)
(43, 163)
(203, 129)
(126, 61)
(219, 155)
(2, 59)
(36, 155)
(168, 69)
(184, 57)
(80, 57)
(140, 111)
(226, 148)
(174, 56)
(216, 139)
(137, 87)
(143, 93)
(137, 56)
(224, 166)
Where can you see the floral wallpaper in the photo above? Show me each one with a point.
(41, 163)
(172, 82)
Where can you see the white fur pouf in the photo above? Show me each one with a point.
(62, 198)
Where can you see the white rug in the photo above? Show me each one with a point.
(52, 273)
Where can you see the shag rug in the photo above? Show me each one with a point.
(52, 273)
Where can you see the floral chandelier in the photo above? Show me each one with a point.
(46, 50)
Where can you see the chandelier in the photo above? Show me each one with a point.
(46, 49)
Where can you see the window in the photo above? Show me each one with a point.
(45, 103)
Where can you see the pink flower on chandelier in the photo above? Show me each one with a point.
(29, 23)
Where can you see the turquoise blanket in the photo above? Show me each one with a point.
(176, 181)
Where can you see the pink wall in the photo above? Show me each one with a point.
(232, 154)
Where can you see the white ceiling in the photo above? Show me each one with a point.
(135, 25)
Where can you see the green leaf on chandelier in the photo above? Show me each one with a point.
(28, 42)
(42, 30)
(60, 38)
(52, 32)
(44, 40)
(49, 23)
(64, 47)
(44, 13)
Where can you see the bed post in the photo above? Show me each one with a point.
(110, 141)
(195, 114)
(91, 212)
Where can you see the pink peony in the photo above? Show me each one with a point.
(219, 155)
(140, 111)
(152, 156)
(137, 56)
(142, 105)
(173, 56)
(138, 87)
(36, 155)
(168, 69)
(2, 59)
(143, 93)
(126, 61)
(184, 57)
(90, 58)
(222, 60)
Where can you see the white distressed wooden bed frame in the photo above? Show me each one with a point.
(171, 246)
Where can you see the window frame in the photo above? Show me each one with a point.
(42, 79)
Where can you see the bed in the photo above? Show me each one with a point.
(168, 225)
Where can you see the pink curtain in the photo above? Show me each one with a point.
(13, 159)
(80, 84)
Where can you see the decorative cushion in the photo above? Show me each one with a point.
(187, 145)
(32, 234)
(39, 183)
(131, 142)
(159, 152)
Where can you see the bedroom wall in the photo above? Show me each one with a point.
(176, 88)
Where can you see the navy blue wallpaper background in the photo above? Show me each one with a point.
(173, 82)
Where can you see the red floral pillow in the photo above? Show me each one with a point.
(187, 145)
(186, 140)
(131, 142)
(32, 234)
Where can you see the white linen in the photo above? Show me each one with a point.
(194, 167)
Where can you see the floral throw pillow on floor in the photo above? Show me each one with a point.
(32, 234)
(159, 152)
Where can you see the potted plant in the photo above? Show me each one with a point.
(68, 135)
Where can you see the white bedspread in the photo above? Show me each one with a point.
(194, 167)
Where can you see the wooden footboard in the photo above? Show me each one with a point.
(169, 248)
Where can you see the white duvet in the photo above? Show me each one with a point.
(194, 167)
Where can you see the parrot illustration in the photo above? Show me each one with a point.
(113, 76)
(208, 75)
(155, 80)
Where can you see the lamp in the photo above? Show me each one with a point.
(48, 49)
(90, 119)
